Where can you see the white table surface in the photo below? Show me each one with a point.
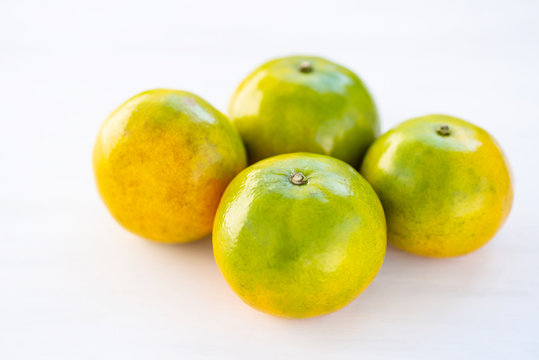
(75, 285)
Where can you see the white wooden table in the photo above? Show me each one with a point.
(74, 285)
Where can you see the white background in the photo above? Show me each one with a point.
(74, 285)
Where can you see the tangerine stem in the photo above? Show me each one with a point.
(306, 67)
(444, 130)
(297, 178)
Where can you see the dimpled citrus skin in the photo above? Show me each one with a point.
(299, 250)
(162, 161)
(443, 195)
(279, 109)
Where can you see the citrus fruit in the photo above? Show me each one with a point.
(304, 103)
(299, 235)
(444, 183)
(161, 162)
